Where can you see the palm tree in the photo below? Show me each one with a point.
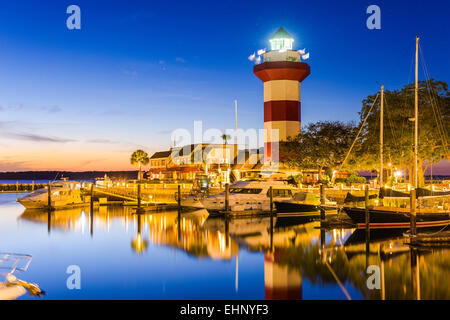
(139, 158)
(225, 138)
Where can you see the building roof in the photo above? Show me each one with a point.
(160, 154)
(281, 34)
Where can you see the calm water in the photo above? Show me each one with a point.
(157, 256)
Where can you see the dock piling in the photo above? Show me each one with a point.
(227, 197)
(322, 202)
(413, 211)
(139, 195)
(271, 199)
(49, 195)
(366, 206)
(179, 198)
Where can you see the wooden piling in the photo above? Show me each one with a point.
(366, 206)
(322, 202)
(227, 197)
(271, 199)
(179, 198)
(412, 198)
(32, 185)
(91, 200)
(49, 195)
(139, 196)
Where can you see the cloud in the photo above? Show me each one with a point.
(88, 162)
(179, 59)
(51, 109)
(101, 141)
(37, 138)
(6, 165)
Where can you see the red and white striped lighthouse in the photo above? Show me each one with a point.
(282, 71)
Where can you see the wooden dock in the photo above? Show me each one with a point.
(431, 239)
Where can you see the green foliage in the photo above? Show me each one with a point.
(321, 145)
(325, 179)
(434, 121)
(139, 158)
(355, 179)
(225, 138)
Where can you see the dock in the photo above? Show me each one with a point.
(437, 239)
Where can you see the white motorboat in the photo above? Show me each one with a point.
(249, 195)
(63, 194)
(13, 288)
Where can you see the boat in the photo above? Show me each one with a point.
(12, 287)
(64, 194)
(386, 193)
(304, 202)
(252, 195)
(393, 217)
(397, 218)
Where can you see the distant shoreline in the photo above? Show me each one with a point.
(71, 175)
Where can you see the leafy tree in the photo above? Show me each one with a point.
(225, 138)
(434, 121)
(321, 145)
(139, 158)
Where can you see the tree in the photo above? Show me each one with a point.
(225, 137)
(321, 145)
(139, 158)
(434, 119)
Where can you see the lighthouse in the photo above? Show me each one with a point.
(282, 71)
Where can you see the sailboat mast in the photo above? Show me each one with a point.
(416, 116)
(235, 114)
(381, 135)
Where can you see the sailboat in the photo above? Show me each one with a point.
(391, 217)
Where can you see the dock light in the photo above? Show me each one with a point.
(390, 164)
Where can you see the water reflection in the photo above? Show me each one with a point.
(299, 257)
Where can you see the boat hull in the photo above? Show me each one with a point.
(285, 207)
(391, 219)
(56, 205)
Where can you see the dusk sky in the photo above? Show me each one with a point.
(137, 70)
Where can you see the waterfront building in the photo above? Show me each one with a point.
(184, 163)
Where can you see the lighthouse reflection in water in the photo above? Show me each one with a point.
(167, 255)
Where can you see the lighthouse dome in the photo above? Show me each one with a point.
(281, 40)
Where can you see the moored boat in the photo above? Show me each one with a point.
(388, 217)
(304, 202)
(63, 195)
(249, 196)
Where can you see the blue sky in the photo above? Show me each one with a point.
(137, 70)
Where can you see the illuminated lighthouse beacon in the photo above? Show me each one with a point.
(282, 72)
